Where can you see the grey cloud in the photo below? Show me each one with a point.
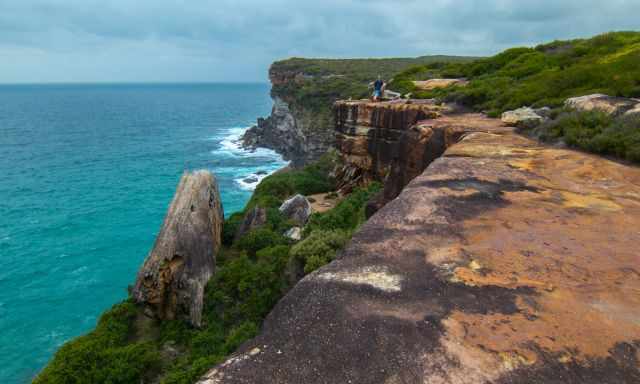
(207, 40)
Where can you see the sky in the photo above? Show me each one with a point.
(236, 40)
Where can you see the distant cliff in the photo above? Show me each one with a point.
(300, 126)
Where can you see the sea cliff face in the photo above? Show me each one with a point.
(299, 134)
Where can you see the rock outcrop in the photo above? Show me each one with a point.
(505, 261)
(297, 209)
(522, 118)
(171, 282)
(614, 106)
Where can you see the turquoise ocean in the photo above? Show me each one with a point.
(86, 175)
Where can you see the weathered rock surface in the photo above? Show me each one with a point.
(297, 209)
(428, 85)
(253, 219)
(614, 106)
(172, 279)
(522, 118)
(368, 135)
(505, 261)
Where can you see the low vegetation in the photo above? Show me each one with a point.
(596, 132)
(545, 75)
(252, 274)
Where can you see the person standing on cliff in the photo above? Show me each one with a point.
(378, 87)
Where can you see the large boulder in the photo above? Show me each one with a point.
(522, 118)
(614, 106)
(297, 209)
(171, 282)
(255, 218)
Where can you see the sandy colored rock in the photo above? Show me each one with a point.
(522, 118)
(505, 261)
(428, 85)
(323, 202)
(635, 111)
(614, 106)
(171, 282)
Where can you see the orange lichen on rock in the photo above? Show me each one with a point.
(570, 236)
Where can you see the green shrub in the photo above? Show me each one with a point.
(597, 132)
(542, 76)
(245, 290)
(319, 248)
(259, 239)
(313, 178)
(230, 227)
(347, 215)
(104, 355)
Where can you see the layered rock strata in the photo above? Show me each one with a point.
(171, 282)
(368, 136)
(505, 261)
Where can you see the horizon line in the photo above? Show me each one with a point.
(159, 82)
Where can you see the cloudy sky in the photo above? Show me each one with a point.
(236, 40)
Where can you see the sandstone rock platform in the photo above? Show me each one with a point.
(505, 261)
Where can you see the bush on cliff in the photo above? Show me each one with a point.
(105, 355)
(347, 215)
(597, 132)
(542, 76)
(318, 249)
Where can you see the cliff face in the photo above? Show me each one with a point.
(491, 266)
(171, 282)
(300, 135)
(369, 136)
(393, 142)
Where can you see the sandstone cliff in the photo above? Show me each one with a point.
(171, 282)
(297, 132)
(492, 266)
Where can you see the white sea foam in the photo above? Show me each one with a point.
(255, 180)
(231, 144)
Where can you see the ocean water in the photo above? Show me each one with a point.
(86, 175)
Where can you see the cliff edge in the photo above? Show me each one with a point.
(505, 261)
